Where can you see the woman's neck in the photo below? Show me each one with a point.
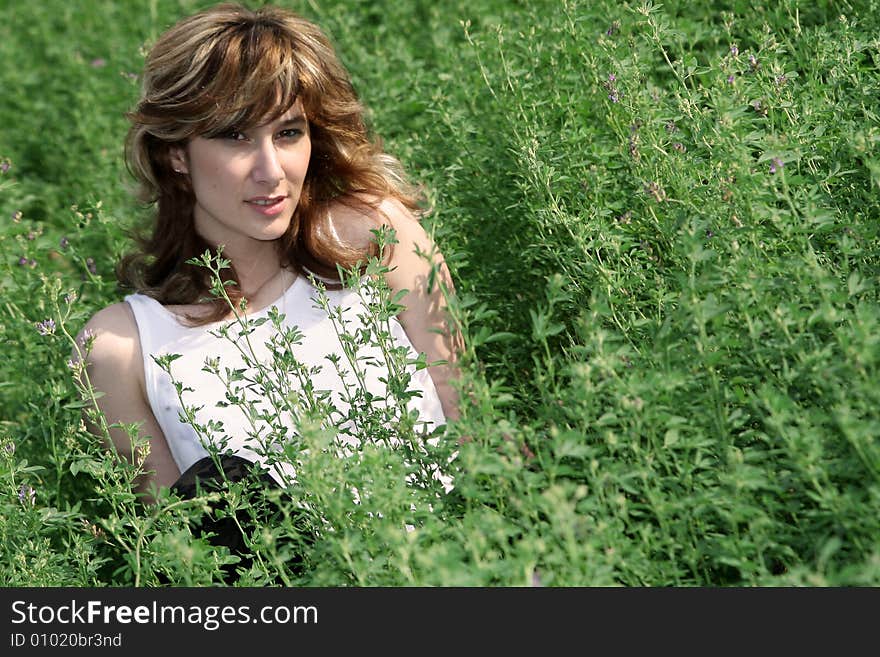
(257, 270)
(263, 286)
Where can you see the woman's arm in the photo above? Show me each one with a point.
(425, 318)
(115, 368)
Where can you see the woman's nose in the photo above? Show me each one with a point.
(267, 167)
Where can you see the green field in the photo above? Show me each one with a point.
(662, 221)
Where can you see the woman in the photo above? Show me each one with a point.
(249, 136)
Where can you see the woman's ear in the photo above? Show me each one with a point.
(178, 159)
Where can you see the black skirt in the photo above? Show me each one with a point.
(219, 527)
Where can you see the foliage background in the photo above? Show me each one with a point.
(663, 225)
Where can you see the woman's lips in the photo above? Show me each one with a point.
(268, 205)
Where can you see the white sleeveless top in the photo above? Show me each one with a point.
(162, 333)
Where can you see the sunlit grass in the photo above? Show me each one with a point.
(663, 226)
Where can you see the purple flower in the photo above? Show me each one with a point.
(611, 88)
(31, 236)
(32, 263)
(655, 190)
(734, 50)
(730, 79)
(781, 80)
(9, 448)
(753, 62)
(46, 327)
(22, 261)
(86, 338)
(5, 166)
(776, 164)
(91, 266)
(26, 494)
(63, 243)
(634, 147)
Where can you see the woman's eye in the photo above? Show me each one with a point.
(290, 133)
(233, 135)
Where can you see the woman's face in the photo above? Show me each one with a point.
(247, 183)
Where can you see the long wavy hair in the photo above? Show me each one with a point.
(228, 66)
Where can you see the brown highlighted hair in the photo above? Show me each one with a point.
(228, 66)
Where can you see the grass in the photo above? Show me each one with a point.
(663, 225)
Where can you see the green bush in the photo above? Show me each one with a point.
(662, 221)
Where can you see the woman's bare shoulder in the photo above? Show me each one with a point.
(111, 335)
(355, 219)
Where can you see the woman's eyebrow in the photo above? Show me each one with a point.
(297, 118)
